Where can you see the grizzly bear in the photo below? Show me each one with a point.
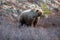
(30, 17)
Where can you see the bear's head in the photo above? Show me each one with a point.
(39, 12)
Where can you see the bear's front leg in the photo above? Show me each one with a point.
(35, 22)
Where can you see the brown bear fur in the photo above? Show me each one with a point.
(30, 18)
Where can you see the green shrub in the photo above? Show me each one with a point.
(45, 9)
(47, 12)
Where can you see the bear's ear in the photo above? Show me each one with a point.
(33, 9)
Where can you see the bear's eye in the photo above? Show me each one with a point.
(37, 10)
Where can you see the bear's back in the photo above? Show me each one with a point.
(29, 14)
